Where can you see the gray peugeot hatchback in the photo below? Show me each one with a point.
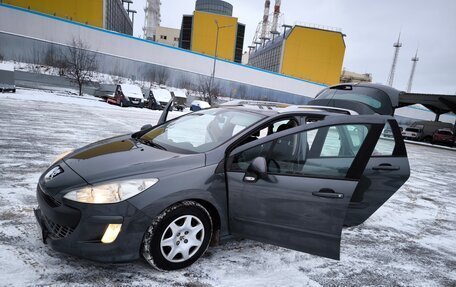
(292, 176)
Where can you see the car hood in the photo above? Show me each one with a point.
(126, 157)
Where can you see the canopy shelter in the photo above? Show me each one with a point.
(439, 104)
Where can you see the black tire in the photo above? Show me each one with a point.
(151, 248)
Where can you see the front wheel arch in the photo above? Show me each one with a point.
(216, 222)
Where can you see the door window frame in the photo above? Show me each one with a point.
(360, 161)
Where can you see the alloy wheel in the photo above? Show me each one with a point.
(182, 238)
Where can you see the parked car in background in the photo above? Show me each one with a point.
(443, 136)
(7, 80)
(429, 127)
(127, 96)
(158, 98)
(412, 134)
(179, 99)
(199, 105)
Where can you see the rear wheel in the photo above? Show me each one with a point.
(178, 236)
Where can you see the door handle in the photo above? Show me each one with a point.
(386, 166)
(328, 193)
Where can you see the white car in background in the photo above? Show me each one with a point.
(412, 133)
(199, 105)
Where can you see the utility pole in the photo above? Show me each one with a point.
(396, 46)
(211, 82)
(412, 74)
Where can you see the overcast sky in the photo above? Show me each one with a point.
(371, 28)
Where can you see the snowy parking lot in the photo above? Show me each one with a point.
(410, 241)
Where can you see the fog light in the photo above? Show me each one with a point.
(111, 233)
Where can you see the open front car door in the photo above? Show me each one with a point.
(293, 188)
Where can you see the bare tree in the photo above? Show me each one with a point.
(50, 57)
(209, 92)
(151, 75)
(185, 83)
(162, 75)
(79, 63)
(241, 92)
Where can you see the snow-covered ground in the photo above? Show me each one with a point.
(410, 241)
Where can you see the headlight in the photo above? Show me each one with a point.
(111, 192)
(60, 156)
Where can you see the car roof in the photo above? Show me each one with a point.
(274, 108)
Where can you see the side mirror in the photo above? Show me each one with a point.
(146, 127)
(256, 170)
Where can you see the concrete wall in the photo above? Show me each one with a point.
(27, 36)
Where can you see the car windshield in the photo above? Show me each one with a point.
(200, 131)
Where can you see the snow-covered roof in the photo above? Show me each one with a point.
(7, 67)
(161, 95)
(180, 94)
(132, 91)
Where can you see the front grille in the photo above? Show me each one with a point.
(51, 201)
(57, 231)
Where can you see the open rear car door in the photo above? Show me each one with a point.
(293, 188)
(387, 170)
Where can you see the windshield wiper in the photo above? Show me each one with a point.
(152, 144)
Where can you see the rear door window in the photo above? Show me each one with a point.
(385, 145)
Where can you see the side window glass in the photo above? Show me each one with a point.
(386, 143)
(242, 160)
(271, 129)
(331, 145)
(357, 134)
(326, 152)
(345, 140)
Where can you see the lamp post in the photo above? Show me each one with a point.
(215, 54)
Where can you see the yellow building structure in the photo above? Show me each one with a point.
(107, 14)
(213, 31)
(308, 53)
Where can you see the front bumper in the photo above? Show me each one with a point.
(77, 229)
(133, 103)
